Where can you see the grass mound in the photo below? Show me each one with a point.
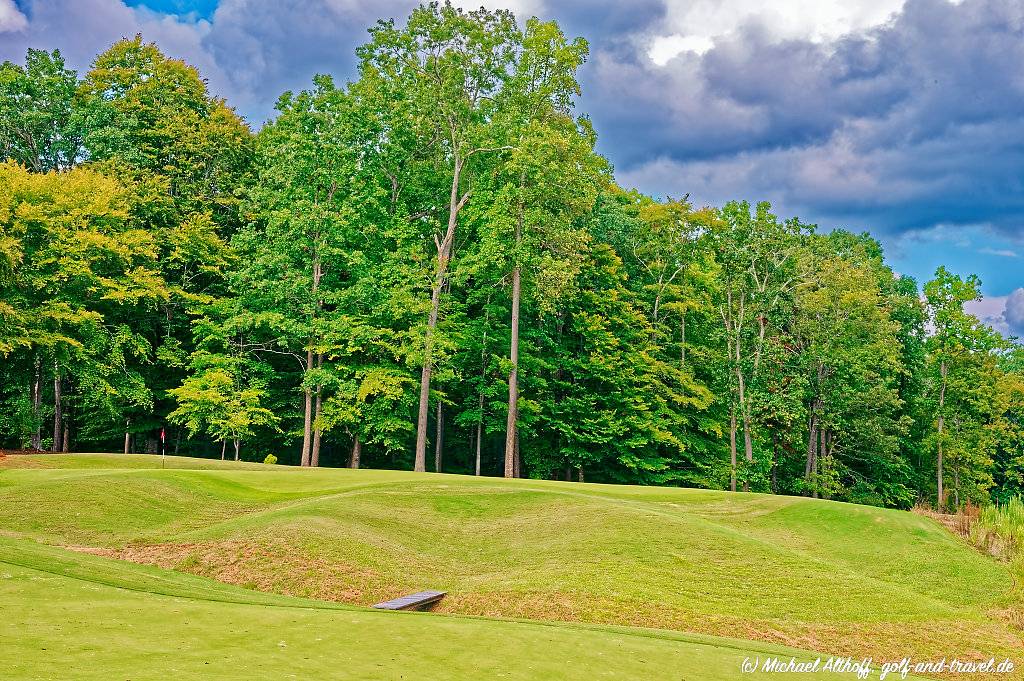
(830, 577)
(76, 616)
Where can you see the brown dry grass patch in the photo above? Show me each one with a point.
(273, 567)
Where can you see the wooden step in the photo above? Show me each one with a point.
(416, 601)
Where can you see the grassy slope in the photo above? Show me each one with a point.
(75, 616)
(819, 575)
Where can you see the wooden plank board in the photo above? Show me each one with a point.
(412, 601)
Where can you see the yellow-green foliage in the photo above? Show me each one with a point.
(1000, 528)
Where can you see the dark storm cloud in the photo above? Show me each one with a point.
(606, 23)
(250, 51)
(270, 47)
(914, 123)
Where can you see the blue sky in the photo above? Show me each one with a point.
(904, 118)
(202, 8)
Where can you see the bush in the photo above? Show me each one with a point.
(270, 459)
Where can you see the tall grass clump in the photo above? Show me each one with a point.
(999, 528)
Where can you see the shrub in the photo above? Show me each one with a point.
(270, 459)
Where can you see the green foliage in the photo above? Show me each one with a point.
(271, 459)
(154, 114)
(962, 388)
(38, 126)
(366, 253)
(222, 396)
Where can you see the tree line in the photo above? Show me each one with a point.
(433, 262)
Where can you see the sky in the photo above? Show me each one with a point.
(904, 118)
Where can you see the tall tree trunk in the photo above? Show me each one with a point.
(65, 443)
(37, 403)
(812, 447)
(357, 451)
(748, 449)
(58, 412)
(480, 397)
(512, 420)
(177, 440)
(438, 436)
(479, 436)
(420, 464)
(822, 451)
(223, 448)
(727, 320)
(314, 457)
(314, 454)
(127, 437)
(513, 374)
(814, 473)
(517, 470)
(443, 254)
(307, 421)
(238, 445)
(732, 448)
(580, 474)
(956, 487)
(940, 496)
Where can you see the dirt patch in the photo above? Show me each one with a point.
(21, 459)
(273, 567)
(959, 524)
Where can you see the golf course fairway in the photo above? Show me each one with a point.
(252, 571)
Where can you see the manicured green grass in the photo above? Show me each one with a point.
(818, 575)
(75, 616)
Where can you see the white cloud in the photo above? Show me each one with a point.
(1001, 252)
(988, 307)
(11, 18)
(1013, 312)
(1005, 314)
(992, 311)
(664, 48)
(700, 22)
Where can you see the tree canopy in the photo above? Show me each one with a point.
(434, 256)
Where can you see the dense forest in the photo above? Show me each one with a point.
(430, 267)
